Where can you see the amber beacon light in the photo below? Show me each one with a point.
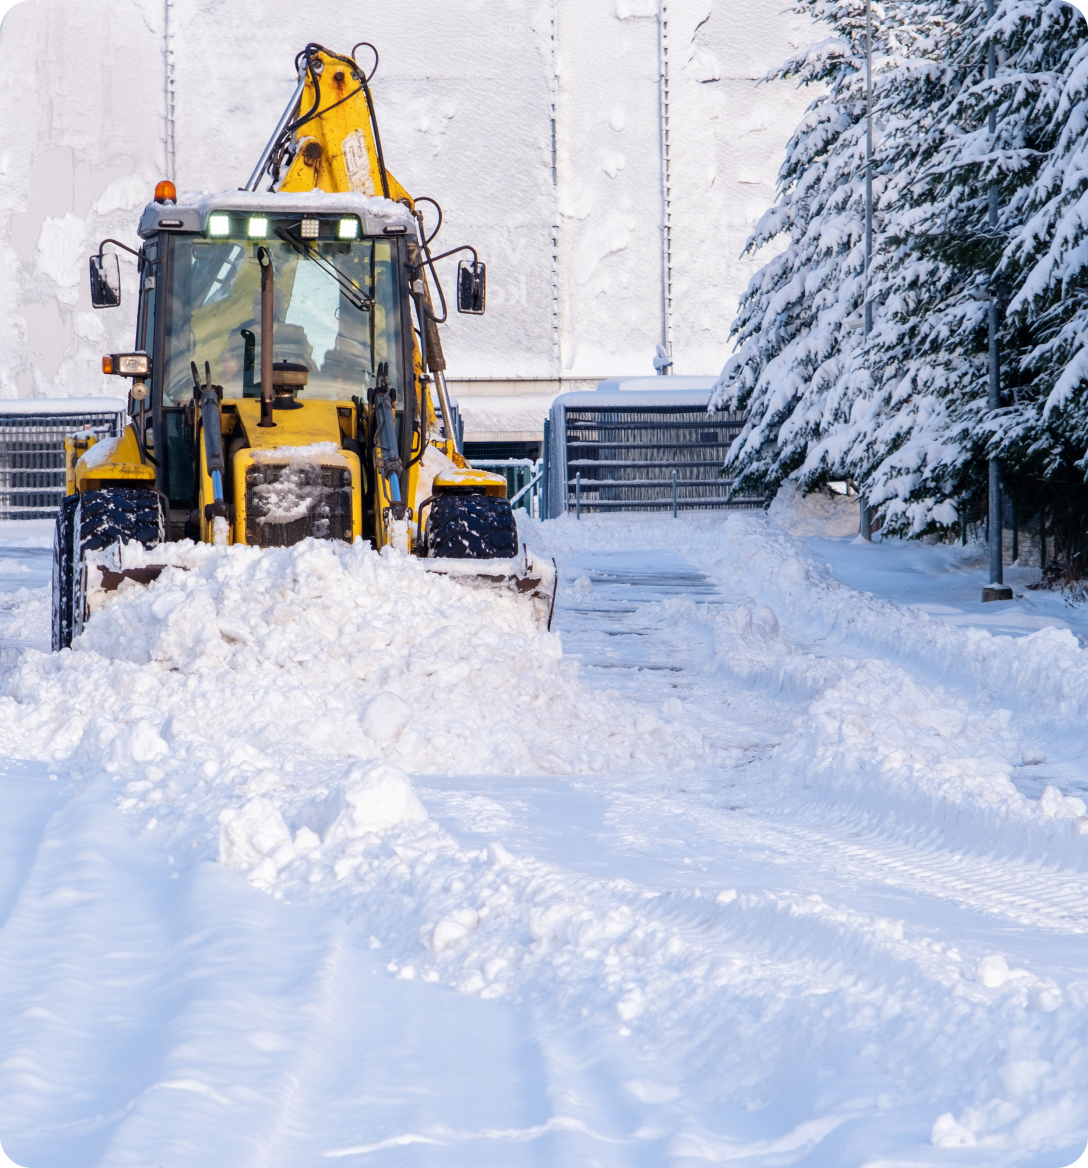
(166, 192)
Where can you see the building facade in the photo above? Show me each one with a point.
(607, 158)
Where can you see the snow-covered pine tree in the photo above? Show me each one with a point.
(922, 444)
(905, 415)
(1043, 432)
(796, 369)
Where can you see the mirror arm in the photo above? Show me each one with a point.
(118, 243)
(464, 247)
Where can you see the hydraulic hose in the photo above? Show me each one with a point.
(387, 441)
(213, 432)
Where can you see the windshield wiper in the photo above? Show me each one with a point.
(354, 294)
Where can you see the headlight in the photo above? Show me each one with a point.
(127, 364)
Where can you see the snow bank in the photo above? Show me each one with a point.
(901, 719)
(251, 696)
(738, 952)
(819, 513)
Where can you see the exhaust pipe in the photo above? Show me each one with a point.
(268, 294)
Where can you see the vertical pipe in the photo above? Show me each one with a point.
(666, 178)
(578, 495)
(558, 322)
(545, 484)
(994, 394)
(169, 155)
(868, 328)
(445, 407)
(268, 303)
(1042, 539)
(1015, 532)
(674, 494)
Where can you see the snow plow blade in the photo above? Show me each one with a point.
(532, 577)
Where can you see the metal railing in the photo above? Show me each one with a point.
(32, 457)
(524, 480)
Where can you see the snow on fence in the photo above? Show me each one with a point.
(32, 433)
(639, 451)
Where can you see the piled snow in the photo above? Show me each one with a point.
(902, 715)
(277, 696)
(821, 512)
(776, 898)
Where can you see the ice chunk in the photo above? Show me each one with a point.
(385, 717)
(248, 835)
(454, 928)
(137, 743)
(373, 797)
(992, 972)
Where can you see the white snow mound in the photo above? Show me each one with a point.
(276, 700)
(373, 797)
(821, 513)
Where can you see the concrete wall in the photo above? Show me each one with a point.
(535, 124)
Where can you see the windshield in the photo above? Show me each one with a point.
(214, 314)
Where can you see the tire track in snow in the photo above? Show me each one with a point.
(621, 586)
(1033, 896)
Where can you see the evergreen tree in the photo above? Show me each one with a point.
(905, 414)
(797, 369)
(929, 432)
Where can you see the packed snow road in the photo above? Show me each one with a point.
(310, 857)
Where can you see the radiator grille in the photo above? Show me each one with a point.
(288, 502)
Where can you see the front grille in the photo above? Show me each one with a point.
(289, 501)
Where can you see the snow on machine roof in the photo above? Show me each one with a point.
(190, 213)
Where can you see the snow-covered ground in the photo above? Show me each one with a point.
(772, 852)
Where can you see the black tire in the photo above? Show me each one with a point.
(90, 522)
(471, 527)
(64, 572)
(119, 513)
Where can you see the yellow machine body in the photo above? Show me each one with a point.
(372, 459)
(334, 151)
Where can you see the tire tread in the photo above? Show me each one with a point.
(472, 527)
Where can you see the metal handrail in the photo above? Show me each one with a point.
(537, 478)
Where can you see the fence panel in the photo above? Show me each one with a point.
(32, 457)
(652, 457)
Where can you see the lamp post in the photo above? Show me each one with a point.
(866, 521)
(997, 589)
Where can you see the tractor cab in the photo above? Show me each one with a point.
(341, 322)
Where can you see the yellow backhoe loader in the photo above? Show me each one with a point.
(285, 371)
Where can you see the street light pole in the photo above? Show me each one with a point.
(997, 589)
(868, 327)
(866, 522)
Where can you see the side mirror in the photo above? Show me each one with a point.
(105, 281)
(471, 287)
